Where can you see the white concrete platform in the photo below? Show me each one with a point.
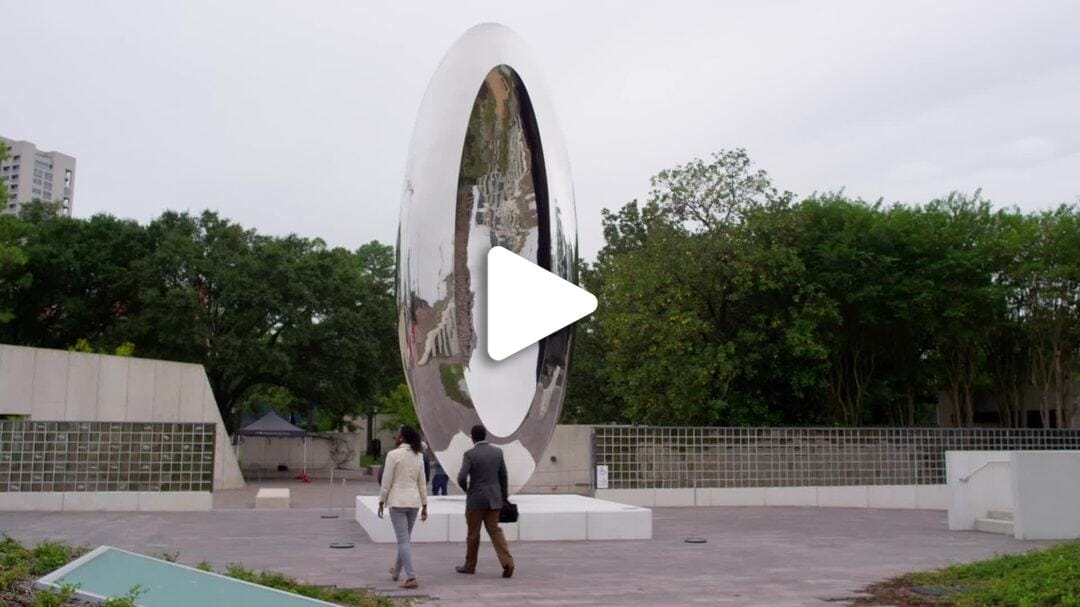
(272, 498)
(541, 518)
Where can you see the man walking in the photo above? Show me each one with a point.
(483, 477)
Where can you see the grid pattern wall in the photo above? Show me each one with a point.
(105, 456)
(640, 457)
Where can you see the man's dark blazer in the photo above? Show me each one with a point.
(483, 477)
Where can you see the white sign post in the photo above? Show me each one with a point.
(601, 477)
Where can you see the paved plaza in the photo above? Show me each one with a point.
(753, 556)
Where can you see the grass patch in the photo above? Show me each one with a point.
(341, 596)
(21, 566)
(1040, 578)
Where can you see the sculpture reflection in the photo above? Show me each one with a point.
(504, 197)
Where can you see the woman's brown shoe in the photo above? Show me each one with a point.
(393, 575)
(409, 583)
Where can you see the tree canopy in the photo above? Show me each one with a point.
(724, 301)
(259, 312)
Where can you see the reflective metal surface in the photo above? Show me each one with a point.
(486, 167)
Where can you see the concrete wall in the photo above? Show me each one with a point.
(1046, 490)
(141, 501)
(258, 453)
(908, 497)
(56, 385)
(988, 485)
(566, 466)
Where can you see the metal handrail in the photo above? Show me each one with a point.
(989, 462)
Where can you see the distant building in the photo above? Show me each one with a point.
(30, 174)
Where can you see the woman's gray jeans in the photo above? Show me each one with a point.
(403, 520)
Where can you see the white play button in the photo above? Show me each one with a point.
(526, 303)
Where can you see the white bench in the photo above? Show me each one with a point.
(272, 498)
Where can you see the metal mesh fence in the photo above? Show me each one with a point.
(641, 457)
(105, 456)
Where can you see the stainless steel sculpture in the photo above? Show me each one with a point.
(486, 167)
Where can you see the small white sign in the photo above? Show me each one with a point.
(601, 477)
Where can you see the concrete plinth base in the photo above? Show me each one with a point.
(542, 518)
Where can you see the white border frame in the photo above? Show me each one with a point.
(48, 582)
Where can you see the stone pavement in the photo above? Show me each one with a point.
(754, 556)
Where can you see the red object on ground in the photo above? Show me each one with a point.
(304, 477)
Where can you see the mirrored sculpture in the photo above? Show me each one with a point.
(486, 167)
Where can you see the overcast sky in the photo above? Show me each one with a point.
(296, 116)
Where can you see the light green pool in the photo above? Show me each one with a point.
(111, 572)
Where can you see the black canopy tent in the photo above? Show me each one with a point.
(273, 425)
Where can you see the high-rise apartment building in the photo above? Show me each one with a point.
(30, 174)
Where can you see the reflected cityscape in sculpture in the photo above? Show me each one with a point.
(508, 185)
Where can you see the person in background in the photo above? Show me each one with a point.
(440, 480)
(404, 491)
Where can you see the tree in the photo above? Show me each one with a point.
(1053, 299)
(590, 398)
(694, 291)
(397, 404)
(960, 266)
(14, 273)
(346, 353)
(82, 281)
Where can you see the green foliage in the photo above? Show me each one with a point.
(54, 598)
(694, 326)
(50, 556)
(341, 596)
(15, 275)
(15, 563)
(127, 600)
(398, 405)
(1049, 578)
(83, 345)
(724, 301)
(259, 313)
(204, 566)
(20, 565)
(238, 571)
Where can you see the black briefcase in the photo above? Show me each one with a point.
(509, 512)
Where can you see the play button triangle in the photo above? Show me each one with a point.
(526, 303)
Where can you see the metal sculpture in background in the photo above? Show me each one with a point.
(486, 167)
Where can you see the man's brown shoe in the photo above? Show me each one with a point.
(508, 571)
(410, 583)
(464, 569)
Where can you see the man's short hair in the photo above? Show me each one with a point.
(478, 433)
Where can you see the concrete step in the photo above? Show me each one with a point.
(1000, 515)
(990, 525)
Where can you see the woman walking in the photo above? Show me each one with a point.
(404, 491)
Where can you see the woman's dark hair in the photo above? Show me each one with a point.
(412, 437)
